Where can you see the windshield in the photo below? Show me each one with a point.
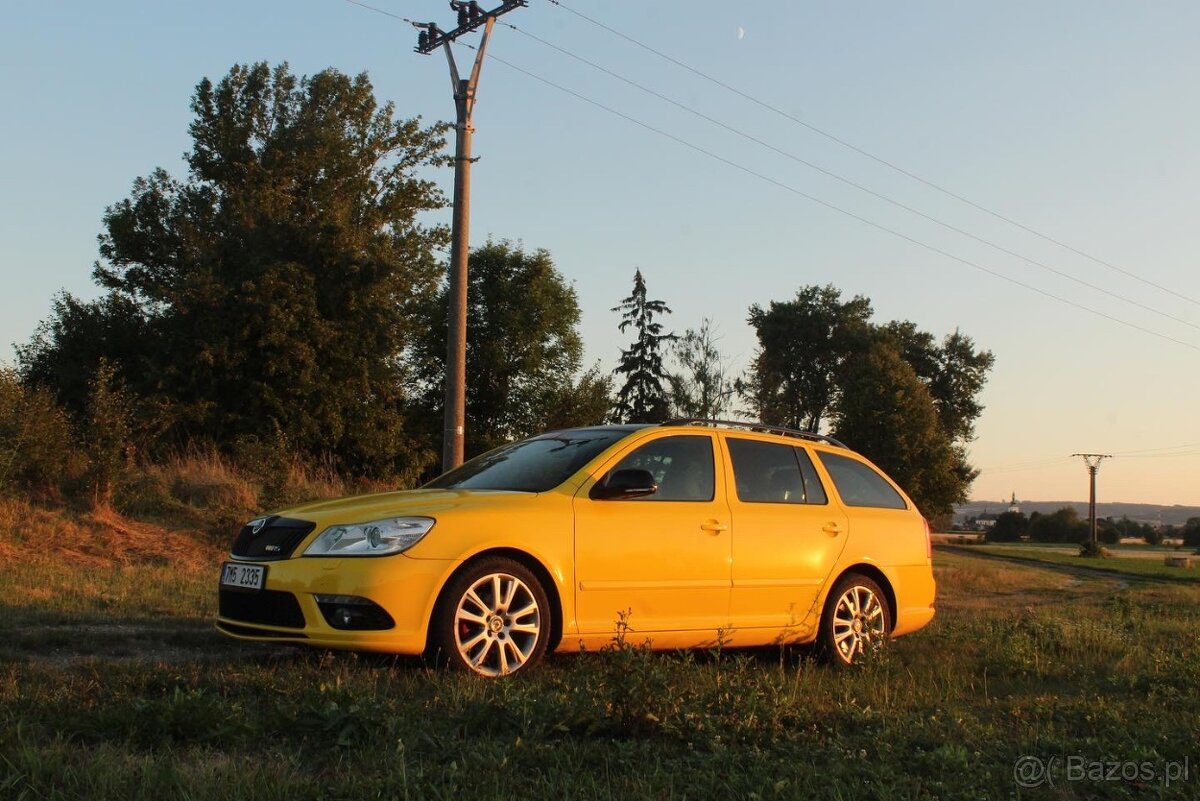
(532, 465)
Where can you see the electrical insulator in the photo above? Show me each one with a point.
(476, 11)
(464, 15)
(423, 39)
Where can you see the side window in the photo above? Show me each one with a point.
(813, 491)
(858, 484)
(767, 472)
(682, 467)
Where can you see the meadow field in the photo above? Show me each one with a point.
(1031, 683)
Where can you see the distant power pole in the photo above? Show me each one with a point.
(470, 18)
(1093, 460)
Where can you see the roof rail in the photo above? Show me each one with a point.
(812, 436)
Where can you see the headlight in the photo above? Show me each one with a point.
(378, 538)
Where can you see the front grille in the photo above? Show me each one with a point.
(268, 607)
(277, 538)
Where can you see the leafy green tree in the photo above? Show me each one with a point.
(886, 413)
(701, 387)
(812, 367)
(1191, 532)
(67, 348)
(953, 369)
(524, 353)
(1009, 527)
(802, 345)
(643, 397)
(276, 287)
(1063, 525)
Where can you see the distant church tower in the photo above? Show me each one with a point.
(1012, 506)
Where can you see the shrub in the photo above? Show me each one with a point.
(37, 450)
(109, 427)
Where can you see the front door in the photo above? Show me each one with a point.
(660, 562)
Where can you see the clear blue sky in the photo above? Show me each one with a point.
(1079, 119)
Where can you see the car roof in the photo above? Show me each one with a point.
(758, 428)
(736, 425)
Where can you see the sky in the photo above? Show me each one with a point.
(1077, 119)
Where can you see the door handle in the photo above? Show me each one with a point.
(832, 529)
(713, 526)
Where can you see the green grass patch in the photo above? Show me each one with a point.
(1114, 563)
(1020, 661)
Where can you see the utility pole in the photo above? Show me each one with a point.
(1093, 460)
(470, 18)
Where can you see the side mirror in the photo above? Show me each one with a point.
(624, 485)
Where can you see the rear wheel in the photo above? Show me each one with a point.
(493, 619)
(856, 620)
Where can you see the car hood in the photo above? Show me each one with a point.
(364, 508)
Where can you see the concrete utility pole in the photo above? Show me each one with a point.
(470, 18)
(1093, 460)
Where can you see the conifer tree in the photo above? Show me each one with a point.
(644, 397)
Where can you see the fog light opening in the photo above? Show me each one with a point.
(352, 613)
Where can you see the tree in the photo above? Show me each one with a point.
(643, 397)
(1009, 527)
(953, 370)
(886, 413)
(1191, 532)
(802, 345)
(1061, 526)
(702, 387)
(276, 287)
(524, 352)
(814, 364)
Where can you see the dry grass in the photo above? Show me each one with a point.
(97, 538)
(205, 489)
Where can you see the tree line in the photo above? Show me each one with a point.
(287, 292)
(1065, 525)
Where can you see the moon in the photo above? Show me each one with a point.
(741, 32)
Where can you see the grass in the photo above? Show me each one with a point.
(1114, 563)
(114, 686)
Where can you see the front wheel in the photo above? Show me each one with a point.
(493, 619)
(856, 619)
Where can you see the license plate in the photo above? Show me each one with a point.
(243, 577)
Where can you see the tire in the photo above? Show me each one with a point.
(492, 619)
(856, 618)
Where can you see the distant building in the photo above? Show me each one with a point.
(1013, 506)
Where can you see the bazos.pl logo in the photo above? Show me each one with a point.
(1032, 771)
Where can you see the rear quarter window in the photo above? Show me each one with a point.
(860, 485)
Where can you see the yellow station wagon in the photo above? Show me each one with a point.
(691, 532)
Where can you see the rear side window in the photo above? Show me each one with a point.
(767, 472)
(858, 484)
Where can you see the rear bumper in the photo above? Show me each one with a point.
(916, 593)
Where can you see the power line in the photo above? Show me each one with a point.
(821, 202)
(839, 209)
(878, 159)
(849, 182)
(382, 11)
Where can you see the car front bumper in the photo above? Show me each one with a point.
(286, 608)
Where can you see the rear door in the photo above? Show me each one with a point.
(788, 535)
